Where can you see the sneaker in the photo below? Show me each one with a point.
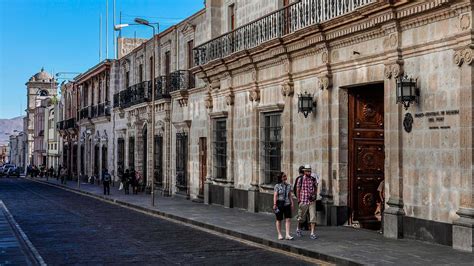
(298, 233)
(313, 236)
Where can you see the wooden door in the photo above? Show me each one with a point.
(366, 152)
(202, 164)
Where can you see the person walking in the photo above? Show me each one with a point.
(283, 205)
(63, 175)
(306, 192)
(126, 182)
(106, 178)
(134, 181)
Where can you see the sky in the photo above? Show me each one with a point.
(63, 36)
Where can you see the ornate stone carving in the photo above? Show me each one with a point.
(254, 95)
(208, 102)
(324, 57)
(325, 82)
(465, 22)
(287, 88)
(229, 99)
(394, 70)
(463, 56)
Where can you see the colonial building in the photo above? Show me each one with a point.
(68, 129)
(94, 134)
(5, 153)
(40, 86)
(365, 122)
(17, 149)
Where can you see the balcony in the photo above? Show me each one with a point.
(66, 124)
(85, 113)
(282, 22)
(162, 87)
(181, 80)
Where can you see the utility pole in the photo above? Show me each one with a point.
(106, 29)
(113, 34)
(100, 37)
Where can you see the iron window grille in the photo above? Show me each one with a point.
(181, 159)
(158, 160)
(120, 153)
(220, 148)
(272, 147)
(131, 153)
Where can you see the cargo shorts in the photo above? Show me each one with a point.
(303, 211)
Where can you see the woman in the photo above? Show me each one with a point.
(283, 205)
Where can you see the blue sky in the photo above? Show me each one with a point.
(63, 36)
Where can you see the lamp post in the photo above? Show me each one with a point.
(144, 22)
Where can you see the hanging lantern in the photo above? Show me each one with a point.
(306, 104)
(407, 92)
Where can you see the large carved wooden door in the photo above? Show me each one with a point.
(366, 152)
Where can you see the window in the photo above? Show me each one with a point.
(181, 160)
(232, 17)
(271, 147)
(127, 79)
(131, 153)
(220, 148)
(191, 78)
(120, 153)
(140, 73)
(159, 160)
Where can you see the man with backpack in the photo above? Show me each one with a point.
(306, 191)
(106, 178)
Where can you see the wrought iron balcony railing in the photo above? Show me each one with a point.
(69, 123)
(284, 21)
(85, 113)
(117, 99)
(103, 109)
(60, 125)
(181, 80)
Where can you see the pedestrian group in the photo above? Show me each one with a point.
(305, 189)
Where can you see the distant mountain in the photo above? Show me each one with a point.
(7, 126)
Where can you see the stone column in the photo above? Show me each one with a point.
(393, 215)
(255, 147)
(229, 187)
(325, 84)
(463, 228)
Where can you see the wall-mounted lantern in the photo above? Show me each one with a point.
(306, 104)
(407, 92)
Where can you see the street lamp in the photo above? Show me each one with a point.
(145, 22)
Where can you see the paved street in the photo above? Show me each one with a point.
(67, 228)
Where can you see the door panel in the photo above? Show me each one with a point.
(366, 148)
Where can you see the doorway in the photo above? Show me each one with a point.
(366, 154)
(202, 164)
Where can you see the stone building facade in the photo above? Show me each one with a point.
(229, 85)
(91, 146)
(348, 55)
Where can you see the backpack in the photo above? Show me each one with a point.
(106, 177)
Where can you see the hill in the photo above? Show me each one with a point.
(7, 126)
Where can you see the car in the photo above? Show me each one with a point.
(4, 169)
(13, 171)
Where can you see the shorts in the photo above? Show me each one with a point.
(304, 209)
(285, 211)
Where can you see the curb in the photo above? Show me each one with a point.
(32, 255)
(270, 243)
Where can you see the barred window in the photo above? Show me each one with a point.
(181, 159)
(121, 153)
(131, 153)
(271, 147)
(159, 160)
(220, 148)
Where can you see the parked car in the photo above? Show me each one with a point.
(4, 169)
(13, 172)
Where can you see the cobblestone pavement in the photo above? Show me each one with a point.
(67, 228)
(339, 244)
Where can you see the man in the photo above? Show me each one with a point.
(306, 192)
(106, 178)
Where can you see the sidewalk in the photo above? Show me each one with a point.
(342, 245)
